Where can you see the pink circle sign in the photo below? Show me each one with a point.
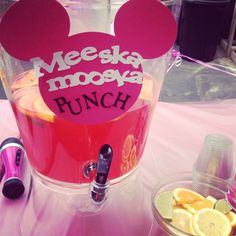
(89, 77)
(90, 81)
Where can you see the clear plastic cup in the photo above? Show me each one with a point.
(214, 160)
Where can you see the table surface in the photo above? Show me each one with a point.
(176, 135)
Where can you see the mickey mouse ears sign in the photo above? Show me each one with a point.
(90, 77)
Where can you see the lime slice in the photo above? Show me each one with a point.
(223, 206)
(164, 204)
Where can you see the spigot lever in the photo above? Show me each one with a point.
(99, 185)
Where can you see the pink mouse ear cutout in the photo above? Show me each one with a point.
(146, 26)
(32, 28)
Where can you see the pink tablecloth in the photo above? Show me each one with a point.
(175, 139)
(177, 133)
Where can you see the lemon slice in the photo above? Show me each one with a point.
(27, 79)
(191, 227)
(196, 206)
(24, 102)
(164, 204)
(147, 89)
(212, 199)
(127, 147)
(133, 157)
(210, 222)
(182, 220)
(186, 196)
(223, 206)
(232, 218)
(43, 112)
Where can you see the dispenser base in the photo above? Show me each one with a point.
(55, 210)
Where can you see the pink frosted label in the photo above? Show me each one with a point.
(91, 81)
(89, 77)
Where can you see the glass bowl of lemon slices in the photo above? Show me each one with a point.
(181, 208)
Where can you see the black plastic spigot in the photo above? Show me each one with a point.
(99, 185)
